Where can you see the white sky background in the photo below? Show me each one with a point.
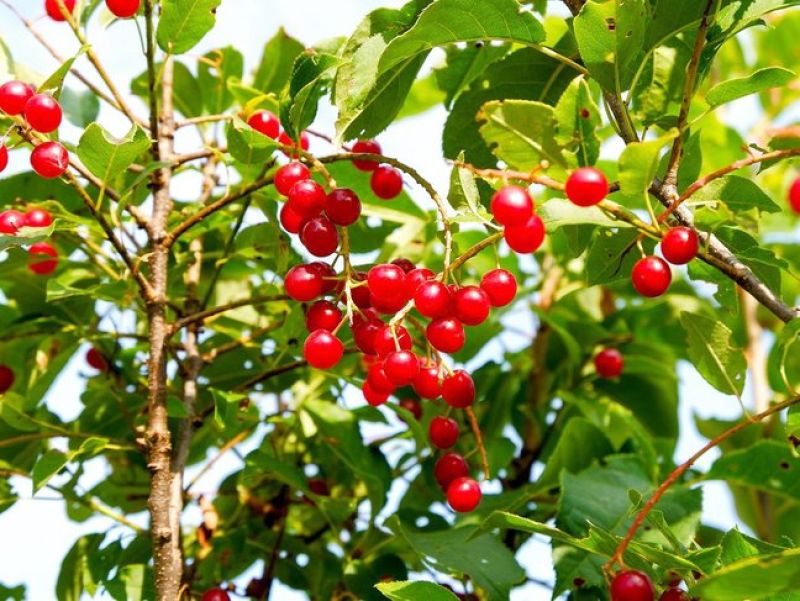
(36, 533)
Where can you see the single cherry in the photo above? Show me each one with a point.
(413, 406)
(427, 383)
(364, 335)
(378, 380)
(323, 315)
(432, 299)
(3, 157)
(265, 122)
(97, 360)
(463, 494)
(303, 283)
(500, 286)
(449, 467)
(320, 237)
(291, 220)
(415, 278)
(458, 389)
(674, 594)
(386, 182)
(386, 280)
(360, 294)
(385, 340)
(50, 160)
(446, 334)
(215, 594)
(303, 143)
(586, 186)
(527, 236)
(288, 175)
(404, 264)
(43, 113)
(14, 96)
(367, 147)
(307, 197)
(401, 367)
(123, 9)
(680, 245)
(471, 305)
(38, 218)
(651, 276)
(443, 432)
(632, 585)
(54, 10)
(42, 266)
(608, 363)
(6, 378)
(794, 191)
(322, 349)
(511, 205)
(342, 206)
(328, 275)
(372, 396)
(11, 221)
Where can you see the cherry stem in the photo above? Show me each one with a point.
(473, 422)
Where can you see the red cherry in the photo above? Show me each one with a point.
(291, 220)
(43, 113)
(303, 144)
(342, 206)
(674, 594)
(6, 378)
(450, 467)
(372, 396)
(288, 175)
(54, 10)
(323, 315)
(511, 205)
(432, 299)
(385, 340)
(11, 221)
(386, 182)
(43, 266)
(471, 305)
(608, 363)
(303, 283)
(328, 275)
(586, 186)
(427, 383)
(651, 276)
(97, 360)
(632, 585)
(360, 294)
(680, 245)
(307, 197)
(413, 406)
(404, 264)
(443, 432)
(446, 334)
(458, 389)
(364, 335)
(794, 191)
(463, 494)
(378, 380)
(3, 157)
(322, 349)
(368, 314)
(123, 8)
(526, 237)
(38, 218)
(50, 160)
(385, 281)
(265, 123)
(500, 286)
(14, 96)
(215, 594)
(390, 305)
(401, 367)
(320, 237)
(367, 147)
(415, 277)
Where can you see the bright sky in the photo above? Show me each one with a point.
(36, 533)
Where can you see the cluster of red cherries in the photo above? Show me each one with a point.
(119, 8)
(10, 223)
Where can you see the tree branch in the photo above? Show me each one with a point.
(201, 316)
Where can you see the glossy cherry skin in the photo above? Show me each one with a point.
(372, 396)
(291, 220)
(500, 286)
(366, 146)
(446, 335)
(123, 8)
(443, 432)
(463, 494)
(415, 278)
(378, 380)
(307, 197)
(360, 294)
(320, 237)
(432, 299)
(389, 305)
(42, 266)
(54, 10)
(413, 406)
(14, 95)
(6, 378)
(586, 186)
(215, 594)
(527, 237)
(449, 467)
(511, 205)
(328, 275)
(458, 389)
(794, 193)
(471, 305)
(342, 206)
(385, 341)
(364, 335)
(11, 221)
(401, 367)
(386, 182)
(651, 276)
(303, 143)
(427, 383)
(43, 113)
(265, 122)
(38, 218)
(609, 363)
(50, 160)
(323, 315)
(3, 157)
(303, 283)
(95, 359)
(404, 264)
(322, 349)
(674, 594)
(680, 245)
(632, 585)
(288, 175)
(384, 281)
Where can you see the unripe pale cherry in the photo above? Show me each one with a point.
(378, 380)
(586, 186)
(11, 221)
(386, 182)
(265, 122)
(458, 389)
(38, 218)
(449, 467)
(50, 160)
(443, 432)
(323, 315)
(215, 594)
(322, 349)
(463, 494)
(14, 96)
(43, 113)
(401, 367)
(609, 363)
(342, 206)
(291, 220)
(427, 383)
(97, 360)
(511, 205)
(372, 396)
(6, 378)
(680, 245)
(320, 237)
(794, 194)
(288, 175)
(527, 236)
(632, 585)
(41, 266)
(386, 280)
(651, 276)
(307, 197)
(54, 10)
(446, 335)
(500, 286)
(367, 147)
(432, 299)
(303, 283)
(123, 9)
(471, 305)
(3, 157)
(385, 340)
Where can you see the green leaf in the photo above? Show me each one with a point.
(638, 164)
(465, 65)
(559, 212)
(710, 350)
(415, 591)
(464, 195)
(80, 108)
(763, 79)
(106, 156)
(215, 72)
(54, 83)
(768, 465)
(280, 53)
(187, 93)
(753, 578)
(226, 406)
(738, 193)
(247, 145)
(578, 118)
(611, 256)
(579, 444)
(75, 577)
(311, 77)
(184, 23)
(46, 467)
